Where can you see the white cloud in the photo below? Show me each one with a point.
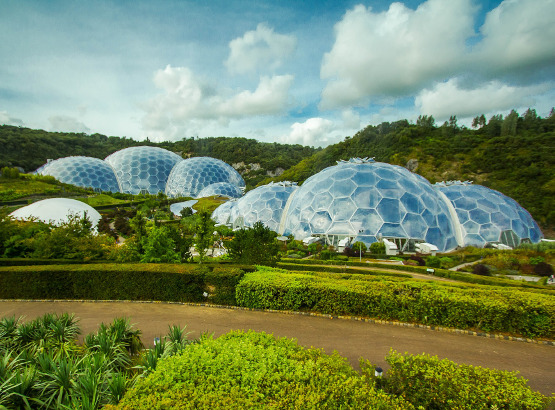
(66, 123)
(518, 38)
(394, 52)
(351, 119)
(190, 105)
(450, 98)
(6, 119)
(259, 49)
(314, 131)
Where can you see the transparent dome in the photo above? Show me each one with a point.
(192, 175)
(86, 172)
(56, 211)
(367, 200)
(222, 214)
(143, 169)
(221, 189)
(265, 204)
(486, 215)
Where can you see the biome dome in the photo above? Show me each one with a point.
(82, 171)
(221, 189)
(485, 215)
(368, 200)
(57, 211)
(192, 175)
(265, 204)
(143, 169)
(222, 214)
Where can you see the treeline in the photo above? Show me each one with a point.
(29, 149)
(514, 155)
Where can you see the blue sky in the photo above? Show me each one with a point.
(309, 72)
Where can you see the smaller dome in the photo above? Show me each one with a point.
(191, 176)
(221, 189)
(85, 172)
(56, 211)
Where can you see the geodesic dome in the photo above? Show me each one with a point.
(367, 200)
(143, 169)
(221, 189)
(86, 172)
(265, 204)
(222, 214)
(486, 215)
(192, 175)
(57, 211)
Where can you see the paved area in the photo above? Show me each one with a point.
(351, 339)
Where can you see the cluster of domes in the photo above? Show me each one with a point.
(367, 200)
(144, 169)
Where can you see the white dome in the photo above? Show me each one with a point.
(56, 211)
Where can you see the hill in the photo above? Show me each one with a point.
(28, 148)
(514, 155)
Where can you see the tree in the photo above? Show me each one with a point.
(256, 245)
(204, 233)
(509, 124)
(377, 248)
(160, 247)
(426, 121)
(359, 248)
(479, 122)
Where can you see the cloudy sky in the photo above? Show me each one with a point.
(310, 72)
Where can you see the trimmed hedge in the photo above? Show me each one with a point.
(163, 282)
(317, 268)
(432, 383)
(490, 310)
(443, 273)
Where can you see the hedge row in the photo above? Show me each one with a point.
(491, 310)
(322, 268)
(444, 273)
(163, 282)
(432, 383)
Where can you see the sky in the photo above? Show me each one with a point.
(298, 72)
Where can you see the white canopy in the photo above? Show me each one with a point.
(56, 211)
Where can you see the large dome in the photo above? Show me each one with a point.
(486, 215)
(82, 171)
(192, 175)
(56, 211)
(265, 204)
(367, 200)
(143, 169)
(222, 214)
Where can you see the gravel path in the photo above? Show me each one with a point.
(352, 339)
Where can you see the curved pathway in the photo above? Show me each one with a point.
(352, 339)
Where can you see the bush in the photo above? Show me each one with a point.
(254, 370)
(543, 269)
(433, 262)
(437, 384)
(480, 269)
(418, 259)
(325, 254)
(377, 248)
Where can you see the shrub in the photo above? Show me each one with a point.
(432, 383)
(481, 269)
(543, 269)
(433, 262)
(418, 259)
(377, 248)
(255, 370)
(325, 254)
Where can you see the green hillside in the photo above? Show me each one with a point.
(514, 155)
(29, 149)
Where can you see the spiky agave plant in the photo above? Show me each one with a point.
(149, 359)
(57, 380)
(122, 329)
(8, 330)
(176, 340)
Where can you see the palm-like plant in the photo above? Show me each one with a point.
(176, 340)
(8, 329)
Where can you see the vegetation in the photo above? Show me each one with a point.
(256, 245)
(439, 304)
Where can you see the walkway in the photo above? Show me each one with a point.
(352, 339)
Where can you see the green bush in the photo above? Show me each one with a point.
(254, 370)
(427, 381)
(433, 262)
(495, 310)
(164, 282)
(315, 268)
(377, 248)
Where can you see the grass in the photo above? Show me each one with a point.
(101, 200)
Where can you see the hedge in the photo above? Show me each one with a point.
(490, 310)
(322, 268)
(432, 383)
(162, 282)
(444, 273)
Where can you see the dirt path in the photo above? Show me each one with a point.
(352, 339)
